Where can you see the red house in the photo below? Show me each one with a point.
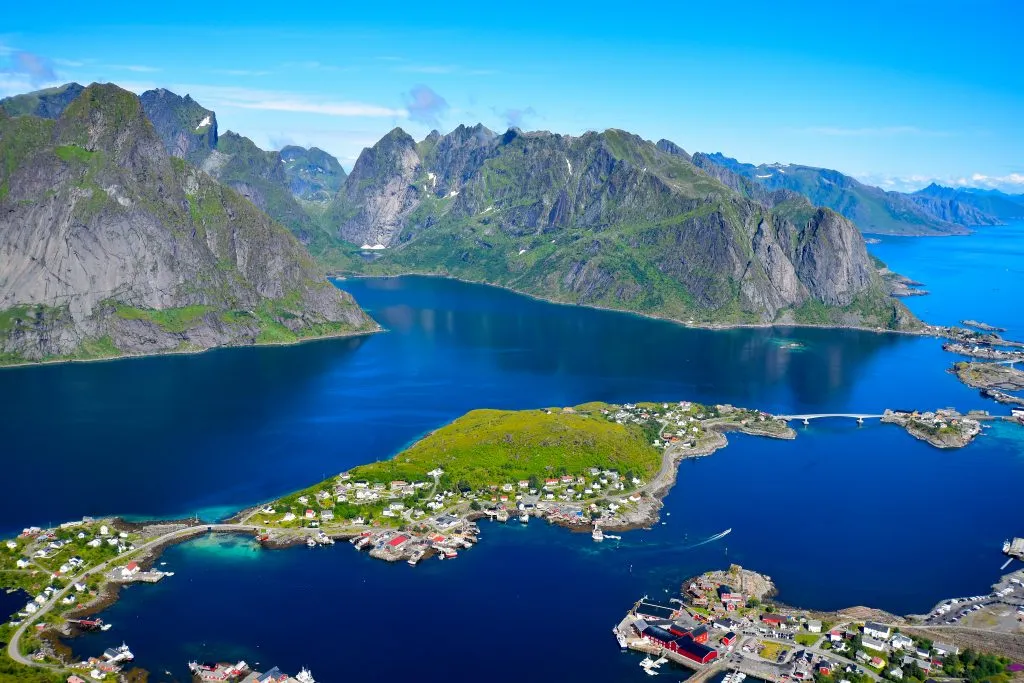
(729, 638)
(773, 619)
(700, 634)
(825, 667)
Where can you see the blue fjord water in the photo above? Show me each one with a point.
(843, 515)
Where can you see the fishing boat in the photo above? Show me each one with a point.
(311, 542)
(597, 534)
(524, 518)
(451, 553)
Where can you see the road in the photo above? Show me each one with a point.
(13, 647)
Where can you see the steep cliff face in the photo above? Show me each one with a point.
(379, 193)
(109, 246)
(607, 219)
(188, 130)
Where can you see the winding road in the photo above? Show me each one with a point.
(13, 647)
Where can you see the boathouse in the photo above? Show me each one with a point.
(729, 638)
(693, 650)
(773, 619)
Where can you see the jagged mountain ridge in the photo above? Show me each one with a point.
(605, 219)
(872, 209)
(110, 246)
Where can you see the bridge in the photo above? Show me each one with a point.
(859, 417)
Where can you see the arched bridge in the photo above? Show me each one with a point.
(859, 417)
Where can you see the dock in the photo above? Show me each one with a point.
(1014, 548)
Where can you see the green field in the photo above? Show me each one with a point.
(486, 447)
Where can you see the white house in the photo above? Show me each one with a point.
(901, 642)
(943, 649)
(31, 608)
(876, 630)
(896, 673)
(23, 562)
(872, 644)
(814, 626)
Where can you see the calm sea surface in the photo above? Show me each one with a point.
(844, 515)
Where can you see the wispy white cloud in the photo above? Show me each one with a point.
(442, 69)
(270, 100)
(24, 64)
(241, 72)
(69, 63)
(426, 69)
(135, 68)
(1011, 182)
(424, 105)
(880, 131)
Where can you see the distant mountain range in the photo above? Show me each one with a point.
(111, 246)
(873, 210)
(604, 219)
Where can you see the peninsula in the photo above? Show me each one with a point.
(596, 468)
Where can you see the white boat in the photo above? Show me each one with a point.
(524, 518)
(597, 534)
(304, 676)
(105, 627)
(311, 542)
(620, 638)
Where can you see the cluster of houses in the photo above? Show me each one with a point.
(901, 650)
(242, 673)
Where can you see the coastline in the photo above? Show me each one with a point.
(927, 331)
(192, 352)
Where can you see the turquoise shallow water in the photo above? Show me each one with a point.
(843, 515)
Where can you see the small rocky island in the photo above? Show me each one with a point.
(944, 428)
(990, 376)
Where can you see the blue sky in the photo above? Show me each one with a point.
(897, 93)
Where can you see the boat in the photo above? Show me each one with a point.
(311, 542)
(105, 627)
(304, 676)
(451, 553)
(1006, 546)
(324, 539)
(620, 638)
(524, 518)
(597, 534)
(734, 677)
(362, 542)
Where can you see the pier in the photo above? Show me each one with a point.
(859, 417)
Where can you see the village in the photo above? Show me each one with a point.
(436, 516)
(943, 428)
(725, 621)
(241, 672)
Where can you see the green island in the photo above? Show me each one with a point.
(596, 467)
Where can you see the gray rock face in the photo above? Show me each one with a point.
(381, 190)
(108, 245)
(606, 219)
